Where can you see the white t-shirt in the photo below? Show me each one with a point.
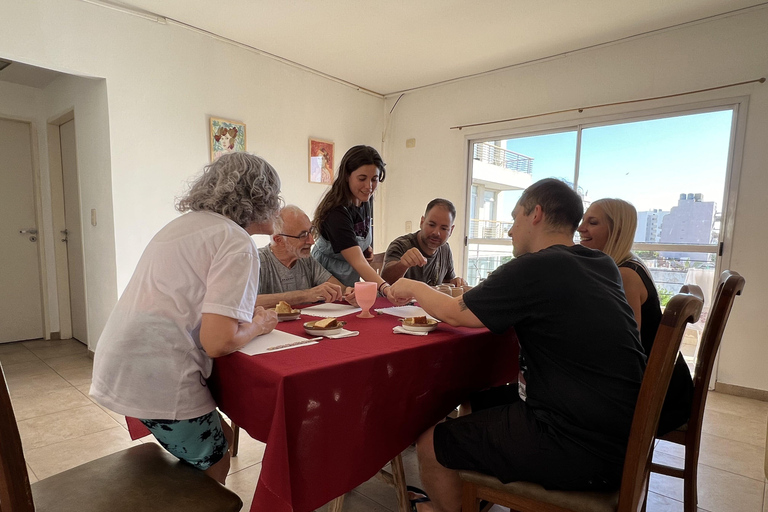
(149, 362)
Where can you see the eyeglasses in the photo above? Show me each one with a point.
(301, 236)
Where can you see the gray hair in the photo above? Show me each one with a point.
(239, 186)
(291, 209)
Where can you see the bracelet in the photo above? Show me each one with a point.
(381, 287)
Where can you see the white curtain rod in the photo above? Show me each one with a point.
(582, 109)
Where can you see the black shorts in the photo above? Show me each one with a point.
(510, 443)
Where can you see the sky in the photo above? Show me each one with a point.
(648, 163)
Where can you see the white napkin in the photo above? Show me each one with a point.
(342, 334)
(330, 309)
(399, 329)
(275, 341)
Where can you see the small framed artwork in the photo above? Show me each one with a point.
(320, 161)
(226, 136)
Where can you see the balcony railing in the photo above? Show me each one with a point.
(496, 229)
(501, 157)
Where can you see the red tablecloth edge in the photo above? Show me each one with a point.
(136, 429)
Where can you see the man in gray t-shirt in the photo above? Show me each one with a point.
(286, 270)
(425, 256)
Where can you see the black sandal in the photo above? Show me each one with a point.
(415, 490)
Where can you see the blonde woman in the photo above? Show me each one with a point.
(609, 225)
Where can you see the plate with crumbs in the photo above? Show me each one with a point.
(295, 314)
(419, 324)
(331, 330)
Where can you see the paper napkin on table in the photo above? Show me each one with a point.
(399, 329)
(275, 341)
(330, 309)
(343, 334)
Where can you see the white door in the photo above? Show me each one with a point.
(21, 306)
(74, 231)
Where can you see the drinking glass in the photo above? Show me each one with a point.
(365, 294)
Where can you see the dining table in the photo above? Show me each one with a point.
(333, 413)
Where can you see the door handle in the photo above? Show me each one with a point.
(30, 231)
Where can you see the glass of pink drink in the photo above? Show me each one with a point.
(365, 294)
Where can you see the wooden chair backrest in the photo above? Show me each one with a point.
(680, 310)
(15, 492)
(378, 262)
(728, 287)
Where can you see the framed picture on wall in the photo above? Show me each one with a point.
(226, 136)
(320, 161)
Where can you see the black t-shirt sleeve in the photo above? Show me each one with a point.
(500, 301)
(342, 226)
(338, 230)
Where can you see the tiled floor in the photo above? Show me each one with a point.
(61, 428)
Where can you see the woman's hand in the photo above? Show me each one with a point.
(222, 335)
(265, 320)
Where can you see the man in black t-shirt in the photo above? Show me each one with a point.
(580, 354)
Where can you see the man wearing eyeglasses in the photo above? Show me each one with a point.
(286, 270)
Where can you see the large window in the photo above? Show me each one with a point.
(673, 169)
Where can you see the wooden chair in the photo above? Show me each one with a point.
(529, 497)
(378, 262)
(143, 477)
(689, 435)
(395, 479)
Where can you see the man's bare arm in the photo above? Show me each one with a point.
(449, 309)
(327, 291)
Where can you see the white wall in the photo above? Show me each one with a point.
(161, 84)
(718, 52)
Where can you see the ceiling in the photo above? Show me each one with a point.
(31, 76)
(394, 45)
(387, 47)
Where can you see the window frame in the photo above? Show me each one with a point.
(574, 122)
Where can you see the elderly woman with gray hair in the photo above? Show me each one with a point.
(192, 298)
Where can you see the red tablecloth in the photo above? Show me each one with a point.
(334, 413)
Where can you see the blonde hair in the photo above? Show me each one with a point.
(622, 224)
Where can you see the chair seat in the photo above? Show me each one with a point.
(576, 501)
(143, 477)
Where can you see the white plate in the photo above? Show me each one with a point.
(285, 317)
(332, 331)
(419, 327)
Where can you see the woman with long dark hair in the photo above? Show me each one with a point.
(343, 222)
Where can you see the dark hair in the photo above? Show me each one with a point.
(339, 193)
(239, 186)
(562, 206)
(444, 203)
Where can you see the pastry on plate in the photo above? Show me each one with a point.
(326, 323)
(283, 308)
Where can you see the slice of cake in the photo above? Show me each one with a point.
(420, 320)
(326, 323)
(283, 308)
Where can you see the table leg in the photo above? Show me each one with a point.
(396, 479)
(398, 476)
(235, 439)
(336, 505)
